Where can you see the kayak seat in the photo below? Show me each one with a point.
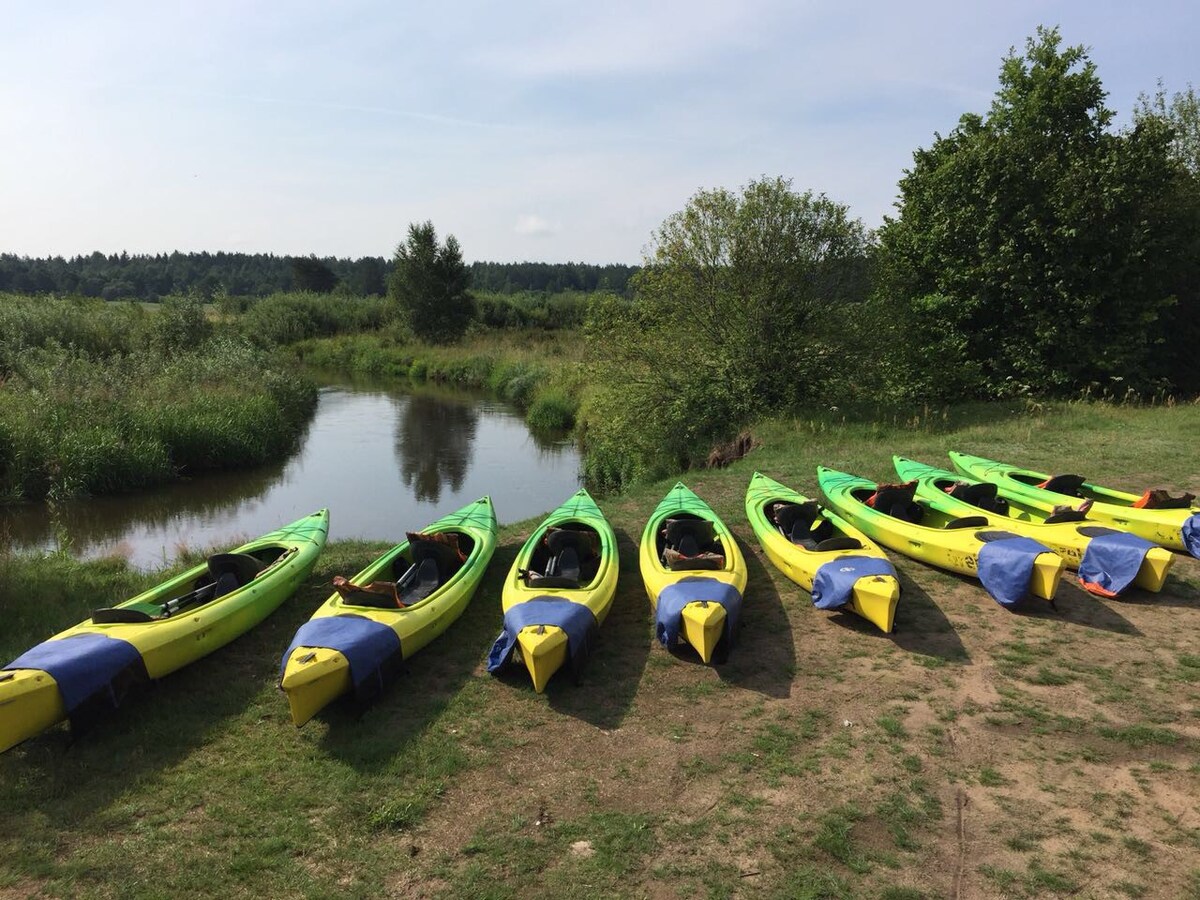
(977, 493)
(423, 582)
(118, 616)
(231, 571)
(967, 522)
(795, 522)
(444, 556)
(839, 543)
(896, 500)
(1093, 531)
(906, 511)
(565, 564)
(1063, 484)
(988, 536)
(1067, 515)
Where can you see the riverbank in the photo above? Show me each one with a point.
(540, 372)
(100, 399)
(975, 752)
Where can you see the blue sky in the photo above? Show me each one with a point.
(530, 130)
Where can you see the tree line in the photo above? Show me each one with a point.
(122, 276)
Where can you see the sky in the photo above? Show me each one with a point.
(543, 131)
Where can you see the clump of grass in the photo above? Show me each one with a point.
(551, 411)
(71, 425)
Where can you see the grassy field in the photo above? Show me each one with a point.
(974, 753)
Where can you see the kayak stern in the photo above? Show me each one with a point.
(875, 598)
(1047, 573)
(30, 702)
(313, 678)
(543, 650)
(703, 624)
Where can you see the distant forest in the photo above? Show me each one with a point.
(121, 276)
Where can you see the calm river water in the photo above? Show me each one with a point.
(385, 460)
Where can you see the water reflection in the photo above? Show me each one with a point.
(433, 444)
(449, 447)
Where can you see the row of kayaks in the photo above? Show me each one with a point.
(1014, 529)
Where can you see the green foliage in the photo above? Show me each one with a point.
(721, 328)
(1182, 114)
(1035, 250)
(429, 285)
(551, 411)
(70, 425)
(287, 318)
(181, 324)
(530, 310)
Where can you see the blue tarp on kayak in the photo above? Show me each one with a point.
(668, 613)
(84, 665)
(1111, 562)
(576, 619)
(1005, 567)
(1191, 535)
(371, 648)
(834, 581)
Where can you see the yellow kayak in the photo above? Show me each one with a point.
(558, 592)
(801, 538)
(355, 641)
(694, 574)
(1008, 564)
(83, 673)
(1070, 534)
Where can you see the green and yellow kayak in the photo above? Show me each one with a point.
(85, 670)
(800, 537)
(1068, 534)
(694, 574)
(933, 536)
(357, 638)
(558, 592)
(1176, 526)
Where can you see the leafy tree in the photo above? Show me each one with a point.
(1036, 250)
(429, 284)
(720, 327)
(1182, 113)
(311, 274)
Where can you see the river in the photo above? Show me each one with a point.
(384, 459)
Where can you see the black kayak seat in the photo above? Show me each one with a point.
(700, 530)
(1063, 484)
(424, 581)
(977, 493)
(1067, 515)
(839, 543)
(1094, 531)
(988, 536)
(967, 522)
(231, 571)
(550, 581)
(119, 616)
(565, 564)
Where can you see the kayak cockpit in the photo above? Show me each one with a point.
(804, 526)
(567, 556)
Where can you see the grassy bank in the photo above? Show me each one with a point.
(538, 371)
(101, 398)
(974, 753)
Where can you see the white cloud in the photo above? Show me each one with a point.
(534, 226)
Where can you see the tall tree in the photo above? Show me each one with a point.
(721, 326)
(430, 283)
(1035, 249)
(312, 274)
